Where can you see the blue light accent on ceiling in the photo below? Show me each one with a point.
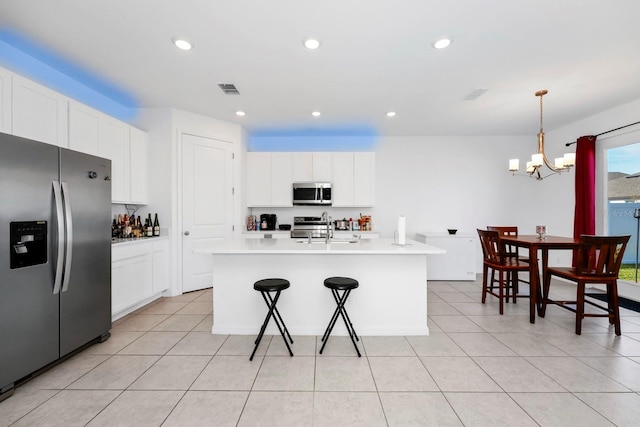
(354, 138)
(36, 63)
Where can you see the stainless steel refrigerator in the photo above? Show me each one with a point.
(55, 255)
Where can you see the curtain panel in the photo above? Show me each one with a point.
(584, 218)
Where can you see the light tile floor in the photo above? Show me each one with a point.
(162, 366)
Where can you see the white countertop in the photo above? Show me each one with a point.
(136, 240)
(291, 246)
(459, 234)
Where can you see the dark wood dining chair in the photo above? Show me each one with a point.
(507, 267)
(510, 250)
(598, 262)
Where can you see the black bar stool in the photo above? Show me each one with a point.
(346, 285)
(266, 286)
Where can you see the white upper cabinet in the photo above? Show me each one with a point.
(308, 167)
(138, 167)
(5, 101)
(353, 179)
(269, 178)
(281, 189)
(113, 144)
(342, 185)
(258, 179)
(270, 175)
(83, 128)
(322, 170)
(96, 133)
(364, 176)
(32, 111)
(302, 167)
(38, 112)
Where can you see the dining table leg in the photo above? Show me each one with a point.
(534, 280)
(545, 284)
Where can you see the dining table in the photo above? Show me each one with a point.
(535, 244)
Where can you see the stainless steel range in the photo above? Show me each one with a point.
(314, 226)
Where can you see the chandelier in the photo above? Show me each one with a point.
(534, 167)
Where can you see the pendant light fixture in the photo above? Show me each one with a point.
(534, 167)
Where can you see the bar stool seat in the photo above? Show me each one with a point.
(346, 285)
(265, 287)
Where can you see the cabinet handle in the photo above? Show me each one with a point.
(186, 233)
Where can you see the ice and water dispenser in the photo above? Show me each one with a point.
(28, 240)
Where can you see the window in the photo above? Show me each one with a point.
(623, 202)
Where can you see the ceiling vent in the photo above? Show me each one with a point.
(474, 94)
(228, 88)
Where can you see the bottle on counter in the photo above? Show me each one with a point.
(149, 227)
(114, 229)
(156, 227)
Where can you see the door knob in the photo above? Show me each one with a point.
(186, 233)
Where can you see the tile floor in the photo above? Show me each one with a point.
(163, 367)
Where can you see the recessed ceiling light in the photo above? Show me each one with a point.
(240, 113)
(442, 42)
(316, 114)
(182, 44)
(391, 114)
(311, 43)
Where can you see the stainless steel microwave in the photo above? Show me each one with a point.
(312, 193)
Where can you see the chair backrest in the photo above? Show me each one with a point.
(504, 230)
(507, 230)
(491, 247)
(601, 255)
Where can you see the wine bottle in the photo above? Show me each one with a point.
(148, 226)
(156, 227)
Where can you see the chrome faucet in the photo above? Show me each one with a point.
(327, 218)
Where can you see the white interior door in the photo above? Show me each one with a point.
(207, 204)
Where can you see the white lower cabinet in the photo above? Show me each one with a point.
(139, 274)
(459, 263)
(160, 260)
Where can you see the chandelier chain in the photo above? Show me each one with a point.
(541, 112)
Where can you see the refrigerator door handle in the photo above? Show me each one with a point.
(69, 229)
(57, 282)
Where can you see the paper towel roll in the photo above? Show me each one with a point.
(402, 230)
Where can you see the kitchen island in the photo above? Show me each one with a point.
(391, 299)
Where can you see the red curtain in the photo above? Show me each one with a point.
(584, 219)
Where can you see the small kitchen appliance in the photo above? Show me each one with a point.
(312, 193)
(268, 221)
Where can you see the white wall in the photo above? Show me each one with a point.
(462, 182)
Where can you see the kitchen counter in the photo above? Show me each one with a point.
(132, 240)
(338, 234)
(318, 247)
(391, 299)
